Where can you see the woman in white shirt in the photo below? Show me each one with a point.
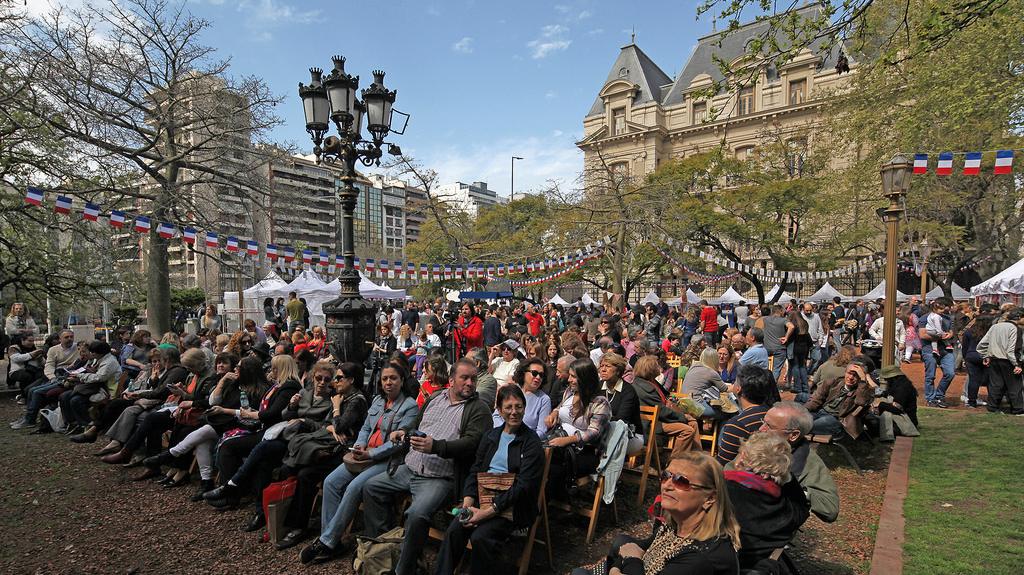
(877, 326)
(505, 364)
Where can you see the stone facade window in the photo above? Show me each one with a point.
(618, 121)
(797, 91)
(700, 112)
(745, 101)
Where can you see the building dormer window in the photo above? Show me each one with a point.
(745, 101)
(700, 112)
(618, 121)
(797, 91)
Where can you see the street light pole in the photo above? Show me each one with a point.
(895, 183)
(926, 251)
(512, 188)
(349, 318)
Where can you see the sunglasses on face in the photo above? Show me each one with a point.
(323, 379)
(535, 373)
(680, 481)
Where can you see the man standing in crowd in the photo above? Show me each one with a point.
(442, 443)
(534, 320)
(816, 333)
(774, 330)
(411, 316)
(937, 350)
(1001, 351)
(296, 311)
(492, 327)
(709, 323)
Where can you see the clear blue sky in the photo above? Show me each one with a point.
(483, 80)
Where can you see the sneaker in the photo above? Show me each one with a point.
(1018, 413)
(937, 404)
(963, 398)
(981, 402)
(971, 404)
(941, 403)
(21, 424)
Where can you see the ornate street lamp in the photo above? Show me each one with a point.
(334, 98)
(895, 184)
(926, 250)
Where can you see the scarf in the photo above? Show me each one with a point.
(754, 482)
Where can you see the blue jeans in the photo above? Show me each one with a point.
(779, 360)
(343, 492)
(826, 424)
(36, 401)
(946, 364)
(429, 494)
(799, 372)
(75, 408)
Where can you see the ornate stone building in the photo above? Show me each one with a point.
(642, 117)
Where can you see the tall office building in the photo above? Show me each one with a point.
(470, 198)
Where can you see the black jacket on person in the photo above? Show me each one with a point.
(902, 393)
(278, 402)
(715, 556)
(525, 459)
(767, 523)
(492, 331)
(626, 406)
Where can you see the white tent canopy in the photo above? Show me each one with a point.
(959, 293)
(269, 286)
(879, 292)
(826, 294)
(370, 290)
(557, 300)
(651, 297)
(1008, 281)
(730, 296)
(785, 297)
(691, 297)
(587, 300)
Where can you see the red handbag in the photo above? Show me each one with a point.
(278, 494)
(279, 491)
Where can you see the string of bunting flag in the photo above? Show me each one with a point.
(568, 270)
(1002, 162)
(290, 260)
(916, 268)
(706, 278)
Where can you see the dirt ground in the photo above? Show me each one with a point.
(62, 511)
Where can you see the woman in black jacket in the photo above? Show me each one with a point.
(512, 449)
(622, 397)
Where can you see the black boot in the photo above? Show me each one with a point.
(162, 458)
(224, 497)
(257, 522)
(204, 486)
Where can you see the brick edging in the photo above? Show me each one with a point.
(887, 558)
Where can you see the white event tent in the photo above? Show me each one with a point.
(1007, 284)
(269, 286)
(587, 300)
(557, 300)
(651, 297)
(959, 293)
(730, 296)
(879, 292)
(826, 294)
(784, 298)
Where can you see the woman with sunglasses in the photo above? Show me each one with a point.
(507, 449)
(529, 376)
(695, 532)
(583, 415)
(391, 410)
(315, 448)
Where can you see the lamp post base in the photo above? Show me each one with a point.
(350, 328)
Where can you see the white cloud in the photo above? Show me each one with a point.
(595, 32)
(552, 39)
(550, 95)
(562, 8)
(584, 15)
(464, 46)
(545, 160)
(277, 12)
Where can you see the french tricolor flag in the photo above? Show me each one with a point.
(324, 258)
(252, 248)
(920, 163)
(972, 163)
(945, 167)
(307, 256)
(370, 265)
(424, 272)
(189, 235)
(63, 205)
(117, 218)
(211, 240)
(271, 252)
(34, 196)
(339, 262)
(91, 212)
(410, 270)
(142, 225)
(1004, 162)
(165, 230)
(289, 254)
(232, 244)
(357, 263)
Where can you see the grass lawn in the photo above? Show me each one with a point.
(965, 508)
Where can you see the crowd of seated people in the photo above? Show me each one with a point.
(245, 410)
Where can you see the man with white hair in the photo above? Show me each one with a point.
(791, 420)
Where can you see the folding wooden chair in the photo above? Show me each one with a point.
(709, 428)
(651, 451)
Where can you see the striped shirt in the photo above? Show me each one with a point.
(441, 420)
(737, 430)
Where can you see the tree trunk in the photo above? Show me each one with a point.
(618, 273)
(158, 286)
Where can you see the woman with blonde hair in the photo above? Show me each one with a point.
(770, 504)
(696, 531)
(703, 382)
(19, 321)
